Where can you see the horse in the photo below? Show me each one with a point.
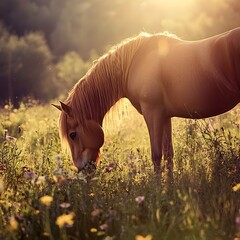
(162, 76)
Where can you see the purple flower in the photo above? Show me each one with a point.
(237, 220)
(104, 227)
(140, 199)
(29, 175)
(109, 169)
(10, 138)
(132, 164)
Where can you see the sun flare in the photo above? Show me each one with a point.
(171, 6)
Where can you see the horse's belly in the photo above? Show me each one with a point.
(203, 111)
(202, 102)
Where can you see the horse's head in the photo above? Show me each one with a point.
(84, 140)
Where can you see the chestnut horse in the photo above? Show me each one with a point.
(163, 77)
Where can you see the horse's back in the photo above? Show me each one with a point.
(186, 79)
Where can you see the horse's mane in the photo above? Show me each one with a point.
(113, 66)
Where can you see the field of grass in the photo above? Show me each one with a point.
(43, 197)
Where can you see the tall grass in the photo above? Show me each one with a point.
(124, 199)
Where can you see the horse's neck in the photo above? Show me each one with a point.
(106, 83)
(103, 88)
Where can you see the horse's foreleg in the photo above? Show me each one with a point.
(155, 124)
(167, 146)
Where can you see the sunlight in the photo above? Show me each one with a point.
(171, 5)
(163, 47)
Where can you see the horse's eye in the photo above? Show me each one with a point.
(72, 135)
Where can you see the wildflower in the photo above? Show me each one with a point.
(46, 200)
(10, 138)
(140, 237)
(54, 178)
(96, 212)
(103, 227)
(132, 164)
(158, 214)
(74, 169)
(140, 199)
(3, 167)
(1, 185)
(236, 187)
(59, 180)
(41, 180)
(46, 234)
(13, 223)
(65, 205)
(108, 169)
(65, 220)
(29, 175)
(237, 220)
(93, 230)
(36, 212)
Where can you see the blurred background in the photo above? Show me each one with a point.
(47, 45)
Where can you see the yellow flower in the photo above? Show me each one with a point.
(158, 214)
(140, 237)
(1, 185)
(36, 212)
(74, 169)
(93, 230)
(65, 219)
(54, 178)
(236, 187)
(46, 200)
(13, 224)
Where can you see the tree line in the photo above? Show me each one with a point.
(47, 45)
(29, 68)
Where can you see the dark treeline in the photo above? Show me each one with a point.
(47, 45)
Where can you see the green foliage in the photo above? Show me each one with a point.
(85, 25)
(124, 198)
(25, 67)
(69, 70)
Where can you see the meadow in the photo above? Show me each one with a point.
(42, 196)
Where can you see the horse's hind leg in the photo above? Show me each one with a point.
(167, 147)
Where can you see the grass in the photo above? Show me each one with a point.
(124, 199)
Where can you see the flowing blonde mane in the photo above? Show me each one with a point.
(103, 83)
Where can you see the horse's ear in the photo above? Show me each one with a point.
(57, 106)
(66, 109)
